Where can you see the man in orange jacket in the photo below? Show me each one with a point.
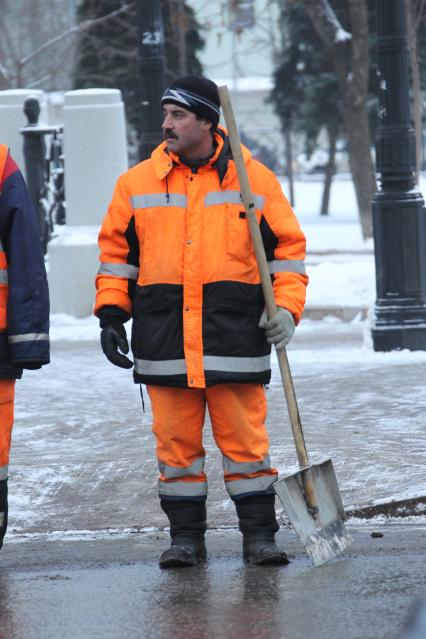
(176, 257)
(24, 304)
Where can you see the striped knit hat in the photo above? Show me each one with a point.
(196, 94)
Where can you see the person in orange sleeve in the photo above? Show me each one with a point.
(24, 305)
(177, 258)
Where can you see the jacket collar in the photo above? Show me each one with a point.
(163, 161)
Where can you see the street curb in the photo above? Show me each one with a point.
(411, 507)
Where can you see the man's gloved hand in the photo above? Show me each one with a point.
(278, 330)
(113, 337)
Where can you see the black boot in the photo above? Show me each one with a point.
(187, 528)
(258, 524)
(3, 510)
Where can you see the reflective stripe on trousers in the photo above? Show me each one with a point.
(237, 413)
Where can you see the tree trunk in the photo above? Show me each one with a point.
(330, 169)
(351, 61)
(361, 163)
(182, 29)
(289, 163)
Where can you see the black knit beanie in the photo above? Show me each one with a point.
(196, 94)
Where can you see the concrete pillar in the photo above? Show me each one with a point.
(12, 118)
(95, 152)
(72, 267)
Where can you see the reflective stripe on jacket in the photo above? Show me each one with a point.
(24, 298)
(176, 255)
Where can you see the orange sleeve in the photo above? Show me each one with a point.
(116, 270)
(287, 267)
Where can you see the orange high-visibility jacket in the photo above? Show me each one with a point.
(176, 255)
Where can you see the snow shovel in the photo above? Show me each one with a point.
(311, 496)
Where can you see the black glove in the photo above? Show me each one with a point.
(113, 337)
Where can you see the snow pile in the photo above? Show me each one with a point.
(350, 284)
(67, 328)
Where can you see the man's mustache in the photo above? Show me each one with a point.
(170, 134)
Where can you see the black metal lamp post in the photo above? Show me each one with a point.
(152, 74)
(399, 215)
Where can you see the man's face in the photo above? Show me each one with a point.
(184, 133)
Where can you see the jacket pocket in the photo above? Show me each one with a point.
(162, 250)
(239, 244)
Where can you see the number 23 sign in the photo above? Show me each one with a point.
(151, 37)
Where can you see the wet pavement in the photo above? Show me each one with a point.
(112, 587)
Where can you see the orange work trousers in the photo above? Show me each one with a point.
(237, 413)
(7, 395)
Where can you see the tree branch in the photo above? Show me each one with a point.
(360, 53)
(326, 22)
(76, 30)
(418, 16)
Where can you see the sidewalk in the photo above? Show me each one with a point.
(83, 454)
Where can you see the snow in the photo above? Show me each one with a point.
(70, 329)
(99, 92)
(342, 35)
(247, 84)
(76, 235)
(350, 284)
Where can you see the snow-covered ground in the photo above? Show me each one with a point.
(83, 454)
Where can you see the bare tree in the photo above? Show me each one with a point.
(37, 45)
(415, 11)
(351, 61)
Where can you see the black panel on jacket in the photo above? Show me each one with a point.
(270, 240)
(133, 256)
(231, 312)
(157, 296)
(221, 164)
(247, 298)
(179, 381)
(219, 377)
(157, 331)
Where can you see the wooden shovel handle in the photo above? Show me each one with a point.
(268, 293)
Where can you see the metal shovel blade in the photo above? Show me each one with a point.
(324, 537)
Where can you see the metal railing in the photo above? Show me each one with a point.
(44, 169)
